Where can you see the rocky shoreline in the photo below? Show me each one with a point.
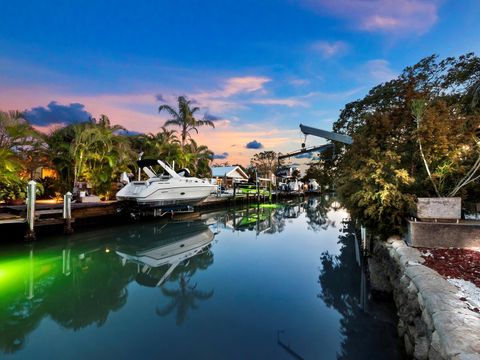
(433, 320)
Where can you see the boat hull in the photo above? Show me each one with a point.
(161, 195)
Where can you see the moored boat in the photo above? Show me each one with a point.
(167, 188)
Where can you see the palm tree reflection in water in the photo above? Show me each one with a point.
(182, 299)
(186, 296)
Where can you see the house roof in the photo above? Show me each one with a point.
(234, 172)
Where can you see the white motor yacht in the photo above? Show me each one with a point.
(165, 189)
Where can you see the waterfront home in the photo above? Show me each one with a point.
(227, 175)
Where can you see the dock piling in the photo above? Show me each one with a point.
(31, 197)
(67, 212)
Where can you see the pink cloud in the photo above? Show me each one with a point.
(381, 15)
(330, 49)
(246, 84)
(289, 102)
(220, 140)
(221, 100)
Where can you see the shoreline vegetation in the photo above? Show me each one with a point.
(91, 155)
(414, 136)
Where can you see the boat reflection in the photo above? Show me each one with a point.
(173, 244)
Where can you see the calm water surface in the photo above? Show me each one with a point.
(260, 283)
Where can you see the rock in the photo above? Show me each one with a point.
(458, 332)
(421, 348)
(433, 322)
(408, 345)
(427, 320)
(467, 357)
(378, 280)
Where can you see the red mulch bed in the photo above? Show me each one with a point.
(454, 263)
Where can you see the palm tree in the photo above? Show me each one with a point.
(199, 158)
(15, 131)
(99, 155)
(184, 118)
(167, 136)
(104, 122)
(25, 143)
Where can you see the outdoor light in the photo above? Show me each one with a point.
(336, 205)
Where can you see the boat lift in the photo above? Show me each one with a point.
(329, 135)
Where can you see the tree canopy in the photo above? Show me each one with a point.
(424, 121)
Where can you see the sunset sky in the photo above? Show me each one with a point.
(257, 68)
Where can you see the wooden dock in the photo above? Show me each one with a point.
(84, 215)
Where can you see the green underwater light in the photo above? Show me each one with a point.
(271, 206)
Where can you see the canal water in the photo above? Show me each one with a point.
(264, 282)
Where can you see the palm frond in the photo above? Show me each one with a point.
(206, 122)
(173, 122)
(169, 110)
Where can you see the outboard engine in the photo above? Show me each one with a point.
(184, 172)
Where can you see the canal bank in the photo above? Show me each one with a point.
(434, 321)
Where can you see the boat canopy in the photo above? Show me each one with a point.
(151, 162)
(146, 162)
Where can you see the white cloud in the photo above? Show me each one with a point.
(379, 70)
(398, 16)
(330, 49)
(299, 82)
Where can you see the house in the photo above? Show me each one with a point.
(227, 175)
(286, 172)
(45, 172)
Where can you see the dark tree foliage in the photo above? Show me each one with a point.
(379, 176)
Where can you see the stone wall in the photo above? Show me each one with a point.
(433, 322)
(465, 234)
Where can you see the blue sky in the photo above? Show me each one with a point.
(259, 67)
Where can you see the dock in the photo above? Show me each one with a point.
(49, 216)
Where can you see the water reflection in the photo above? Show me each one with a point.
(366, 325)
(175, 253)
(62, 284)
(317, 209)
(83, 281)
(174, 248)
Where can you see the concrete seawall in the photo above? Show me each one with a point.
(433, 322)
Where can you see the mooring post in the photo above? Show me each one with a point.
(31, 277)
(67, 212)
(363, 234)
(31, 195)
(258, 191)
